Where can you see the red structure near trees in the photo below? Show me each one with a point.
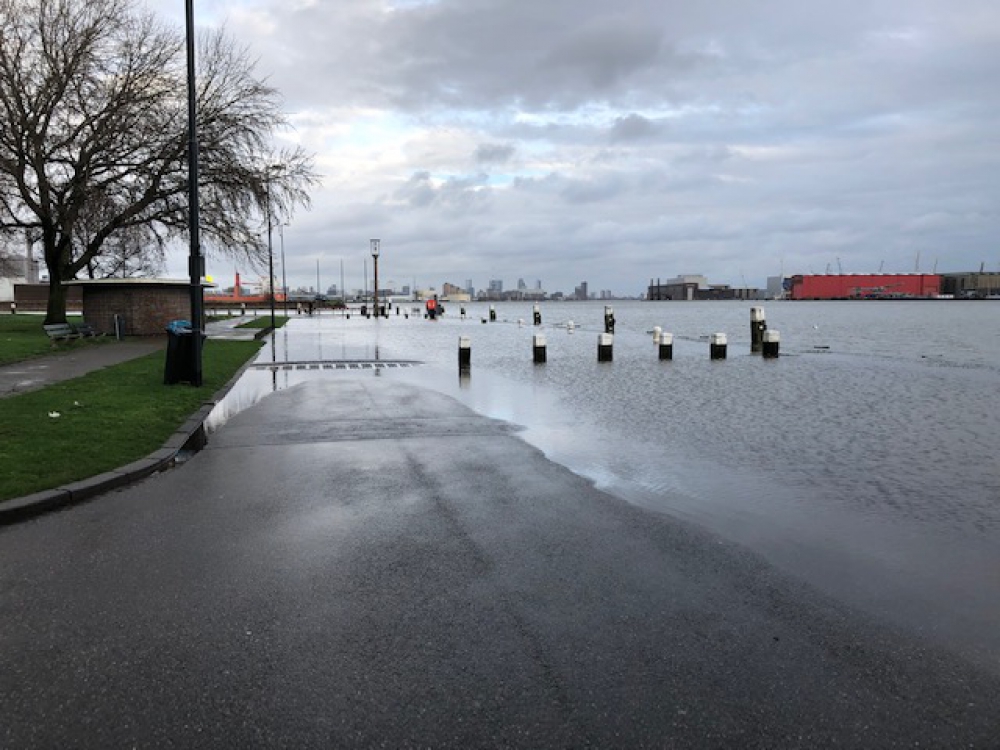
(866, 286)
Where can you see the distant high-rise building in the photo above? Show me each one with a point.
(538, 283)
(581, 291)
(496, 285)
(521, 285)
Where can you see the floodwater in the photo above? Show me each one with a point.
(863, 460)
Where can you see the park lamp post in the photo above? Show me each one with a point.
(375, 251)
(270, 249)
(284, 279)
(196, 268)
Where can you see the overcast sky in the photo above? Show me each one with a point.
(612, 142)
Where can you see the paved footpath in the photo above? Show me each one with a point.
(358, 562)
(77, 360)
(40, 372)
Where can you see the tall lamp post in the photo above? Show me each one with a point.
(270, 250)
(195, 262)
(284, 281)
(375, 252)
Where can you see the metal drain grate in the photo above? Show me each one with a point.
(324, 365)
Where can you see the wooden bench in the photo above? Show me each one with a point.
(60, 332)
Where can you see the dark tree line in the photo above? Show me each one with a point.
(93, 140)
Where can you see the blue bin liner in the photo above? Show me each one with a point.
(179, 327)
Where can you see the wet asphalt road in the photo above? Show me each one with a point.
(361, 563)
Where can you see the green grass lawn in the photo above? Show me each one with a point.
(107, 419)
(264, 321)
(22, 337)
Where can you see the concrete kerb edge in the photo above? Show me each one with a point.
(190, 435)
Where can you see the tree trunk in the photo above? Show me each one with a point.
(55, 312)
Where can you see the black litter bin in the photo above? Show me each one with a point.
(180, 364)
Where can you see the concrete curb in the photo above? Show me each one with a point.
(189, 436)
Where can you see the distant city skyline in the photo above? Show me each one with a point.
(620, 142)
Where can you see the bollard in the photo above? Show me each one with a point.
(757, 328)
(493, 314)
(538, 348)
(520, 322)
(13, 308)
(717, 346)
(570, 326)
(397, 310)
(464, 353)
(462, 311)
(537, 315)
(656, 334)
(666, 346)
(609, 319)
(772, 341)
(605, 345)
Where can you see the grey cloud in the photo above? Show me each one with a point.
(417, 191)
(632, 127)
(494, 153)
(455, 193)
(602, 52)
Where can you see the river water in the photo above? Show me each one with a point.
(863, 460)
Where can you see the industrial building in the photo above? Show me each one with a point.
(695, 287)
(970, 285)
(866, 286)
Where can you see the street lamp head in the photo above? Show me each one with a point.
(375, 248)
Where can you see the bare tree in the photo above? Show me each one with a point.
(93, 137)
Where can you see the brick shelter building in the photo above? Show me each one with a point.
(138, 307)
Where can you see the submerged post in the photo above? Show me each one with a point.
(666, 346)
(609, 319)
(758, 325)
(656, 334)
(464, 353)
(717, 346)
(605, 347)
(537, 314)
(538, 348)
(771, 344)
(493, 314)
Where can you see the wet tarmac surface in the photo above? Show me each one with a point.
(357, 561)
(861, 461)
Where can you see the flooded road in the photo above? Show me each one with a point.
(862, 460)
